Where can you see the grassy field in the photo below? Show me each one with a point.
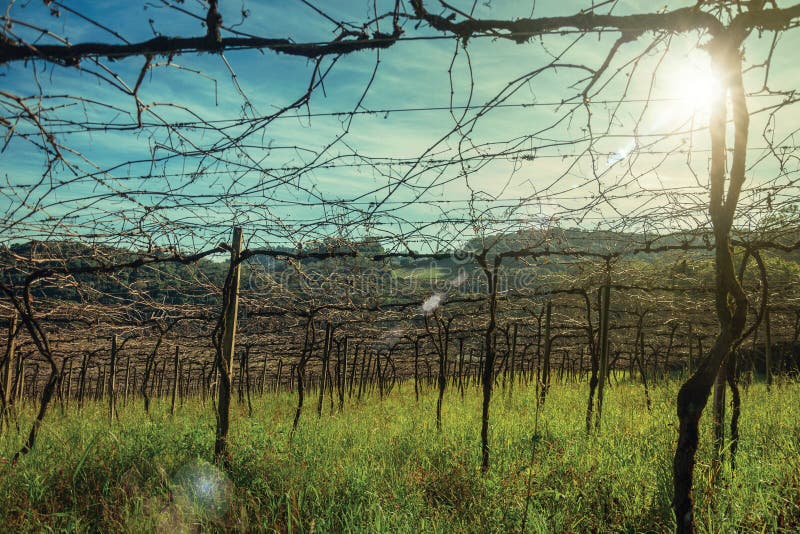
(382, 467)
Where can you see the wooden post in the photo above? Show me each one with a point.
(545, 383)
(643, 368)
(718, 407)
(69, 382)
(461, 365)
(768, 348)
(699, 346)
(330, 382)
(100, 385)
(353, 369)
(605, 297)
(342, 372)
(34, 381)
(176, 364)
(9, 360)
(112, 373)
(324, 372)
(155, 387)
(186, 381)
(416, 369)
(240, 389)
(379, 372)
(9, 363)
(691, 349)
(20, 393)
(228, 343)
(134, 381)
(204, 382)
(479, 376)
(538, 367)
(213, 384)
(263, 377)
(513, 357)
(364, 366)
(160, 387)
(82, 380)
(112, 376)
(127, 379)
(246, 362)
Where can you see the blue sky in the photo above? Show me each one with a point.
(525, 165)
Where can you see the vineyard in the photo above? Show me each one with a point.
(479, 268)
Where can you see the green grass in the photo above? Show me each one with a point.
(381, 467)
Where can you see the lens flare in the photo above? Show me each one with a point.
(692, 84)
(687, 90)
(204, 488)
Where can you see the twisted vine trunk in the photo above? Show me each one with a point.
(731, 301)
(39, 337)
(488, 367)
(300, 370)
(149, 369)
(544, 385)
(605, 299)
(323, 377)
(594, 360)
(225, 349)
(441, 342)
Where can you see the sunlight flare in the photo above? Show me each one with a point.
(692, 84)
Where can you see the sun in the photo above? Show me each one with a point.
(685, 90)
(691, 84)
